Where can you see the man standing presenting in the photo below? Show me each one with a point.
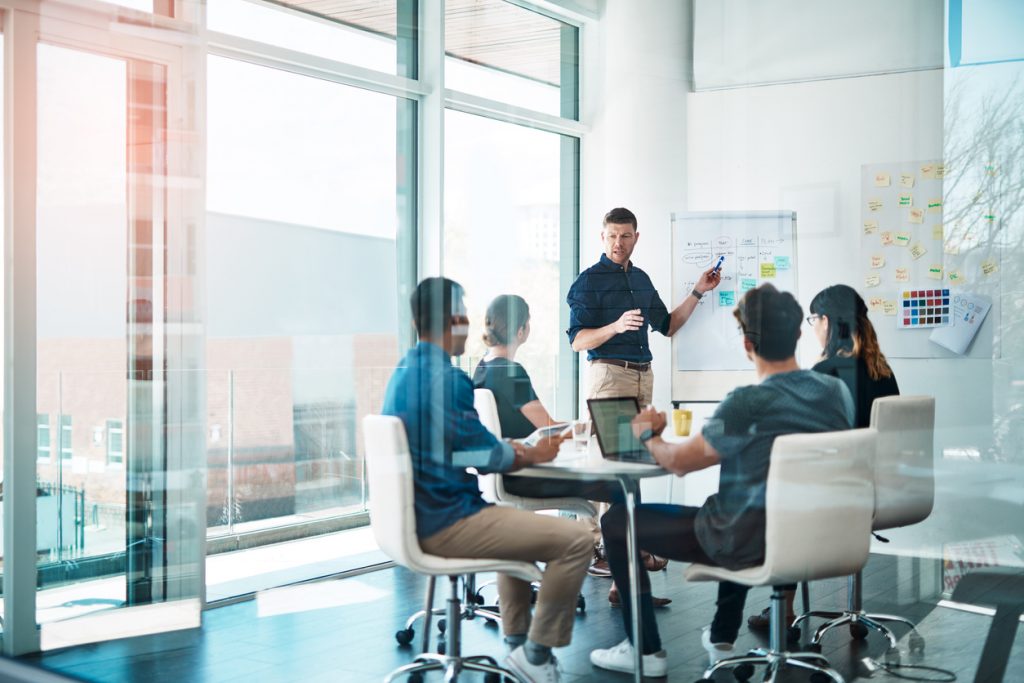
(611, 306)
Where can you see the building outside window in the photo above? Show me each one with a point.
(115, 442)
(65, 437)
(43, 451)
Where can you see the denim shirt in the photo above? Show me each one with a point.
(599, 297)
(434, 400)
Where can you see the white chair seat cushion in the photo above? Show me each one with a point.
(449, 566)
(751, 576)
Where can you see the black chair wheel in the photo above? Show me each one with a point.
(793, 634)
(818, 677)
(405, 636)
(743, 672)
(440, 647)
(478, 599)
(581, 604)
(490, 622)
(442, 625)
(813, 647)
(916, 644)
(858, 630)
(416, 677)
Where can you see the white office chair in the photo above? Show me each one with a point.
(393, 519)
(818, 508)
(904, 494)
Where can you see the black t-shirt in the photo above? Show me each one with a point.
(854, 373)
(512, 389)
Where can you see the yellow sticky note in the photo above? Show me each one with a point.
(935, 271)
(937, 233)
(903, 239)
(935, 205)
(928, 171)
(902, 275)
(767, 270)
(907, 179)
(887, 239)
(916, 216)
(952, 248)
(877, 261)
(917, 250)
(875, 204)
(890, 307)
(906, 199)
(882, 180)
(940, 171)
(872, 280)
(870, 227)
(956, 276)
(989, 266)
(876, 303)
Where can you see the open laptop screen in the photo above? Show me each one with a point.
(612, 421)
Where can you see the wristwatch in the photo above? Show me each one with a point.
(647, 435)
(697, 294)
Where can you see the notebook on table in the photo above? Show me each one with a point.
(613, 418)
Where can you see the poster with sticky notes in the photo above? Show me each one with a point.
(969, 312)
(758, 247)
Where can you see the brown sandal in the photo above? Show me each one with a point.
(616, 600)
(653, 563)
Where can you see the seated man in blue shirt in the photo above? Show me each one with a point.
(434, 400)
(728, 530)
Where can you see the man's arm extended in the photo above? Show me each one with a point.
(709, 279)
(592, 337)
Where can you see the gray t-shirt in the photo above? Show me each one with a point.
(730, 524)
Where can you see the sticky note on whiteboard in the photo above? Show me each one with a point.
(727, 298)
(877, 261)
(887, 239)
(889, 307)
(917, 250)
(906, 199)
(876, 304)
(870, 227)
(916, 216)
(935, 271)
(875, 204)
(935, 205)
(781, 263)
(989, 267)
(747, 284)
(872, 280)
(902, 275)
(882, 180)
(903, 239)
(767, 270)
(907, 179)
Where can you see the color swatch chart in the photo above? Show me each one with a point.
(924, 308)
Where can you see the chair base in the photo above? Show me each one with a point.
(860, 624)
(775, 661)
(452, 667)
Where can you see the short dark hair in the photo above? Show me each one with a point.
(433, 303)
(505, 316)
(770, 319)
(620, 216)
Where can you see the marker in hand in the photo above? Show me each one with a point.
(718, 266)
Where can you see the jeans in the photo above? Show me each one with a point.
(668, 531)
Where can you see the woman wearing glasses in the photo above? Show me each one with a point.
(849, 351)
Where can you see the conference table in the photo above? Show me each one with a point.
(590, 466)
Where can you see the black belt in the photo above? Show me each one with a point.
(628, 364)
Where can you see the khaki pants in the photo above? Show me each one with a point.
(607, 381)
(510, 534)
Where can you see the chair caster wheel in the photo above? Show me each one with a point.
(441, 626)
(416, 677)
(490, 622)
(743, 672)
(916, 644)
(818, 677)
(858, 630)
(813, 647)
(581, 604)
(441, 647)
(478, 599)
(405, 636)
(891, 657)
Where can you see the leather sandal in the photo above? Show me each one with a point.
(616, 600)
(653, 563)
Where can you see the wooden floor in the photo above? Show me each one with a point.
(343, 631)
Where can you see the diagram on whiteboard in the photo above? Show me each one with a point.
(758, 246)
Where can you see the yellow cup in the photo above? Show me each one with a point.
(682, 420)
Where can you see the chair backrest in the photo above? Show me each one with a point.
(389, 476)
(819, 504)
(487, 408)
(904, 460)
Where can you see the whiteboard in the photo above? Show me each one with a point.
(759, 247)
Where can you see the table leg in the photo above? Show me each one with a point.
(628, 488)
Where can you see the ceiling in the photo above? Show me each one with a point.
(492, 33)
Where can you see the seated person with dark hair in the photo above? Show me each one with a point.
(434, 400)
(728, 530)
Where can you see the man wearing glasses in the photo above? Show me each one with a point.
(434, 400)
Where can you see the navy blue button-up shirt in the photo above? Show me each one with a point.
(599, 297)
(434, 400)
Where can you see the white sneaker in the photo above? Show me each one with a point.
(532, 673)
(716, 651)
(620, 658)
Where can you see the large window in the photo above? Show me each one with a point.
(503, 232)
(43, 451)
(302, 249)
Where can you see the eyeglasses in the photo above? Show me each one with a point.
(811, 319)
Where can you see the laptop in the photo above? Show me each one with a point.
(613, 419)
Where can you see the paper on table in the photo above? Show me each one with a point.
(969, 311)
